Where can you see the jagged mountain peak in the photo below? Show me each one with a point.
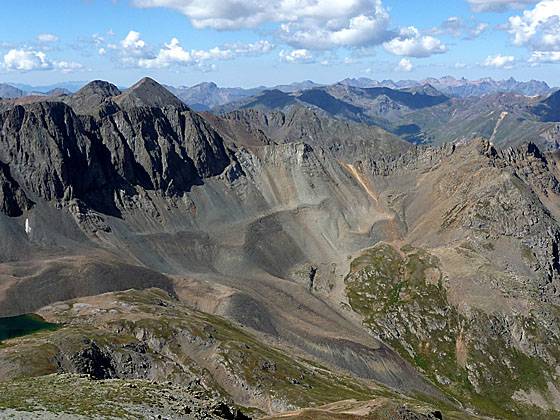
(92, 97)
(99, 87)
(148, 93)
(145, 81)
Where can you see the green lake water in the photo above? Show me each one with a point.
(16, 326)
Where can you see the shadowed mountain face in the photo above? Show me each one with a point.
(414, 98)
(92, 96)
(341, 100)
(366, 263)
(549, 108)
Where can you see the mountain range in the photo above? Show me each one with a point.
(430, 111)
(423, 114)
(461, 88)
(207, 95)
(288, 254)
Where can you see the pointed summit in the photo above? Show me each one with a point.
(100, 88)
(148, 93)
(92, 96)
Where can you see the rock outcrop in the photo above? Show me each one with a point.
(13, 201)
(57, 155)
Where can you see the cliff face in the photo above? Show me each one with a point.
(327, 237)
(57, 154)
(13, 201)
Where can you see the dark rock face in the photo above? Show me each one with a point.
(55, 154)
(223, 410)
(91, 97)
(13, 200)
(93, 361)
(148, 93)
(163, 149)
(51, 154)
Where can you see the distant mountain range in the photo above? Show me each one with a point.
(208, 95)
(12, 92)
(71, 86)
(423, 114)
(461, 88)
(205, 96)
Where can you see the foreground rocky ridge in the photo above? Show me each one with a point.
(401, 269)
(166, 359)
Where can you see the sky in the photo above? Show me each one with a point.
(250, 43)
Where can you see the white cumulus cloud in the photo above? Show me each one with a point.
(499, 61)
(25, 60)
(405, 65)
(133, 43)
(411, 43)
(171, 53)
(296, 56)
(304, 24)
(360, 30)
(538, 28)
(236, 14)
(67, 66)
(545, 57)
(130, 50)
(174, 54)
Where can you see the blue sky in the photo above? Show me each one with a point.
(258, 42)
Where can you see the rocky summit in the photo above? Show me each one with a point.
(289, 256)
